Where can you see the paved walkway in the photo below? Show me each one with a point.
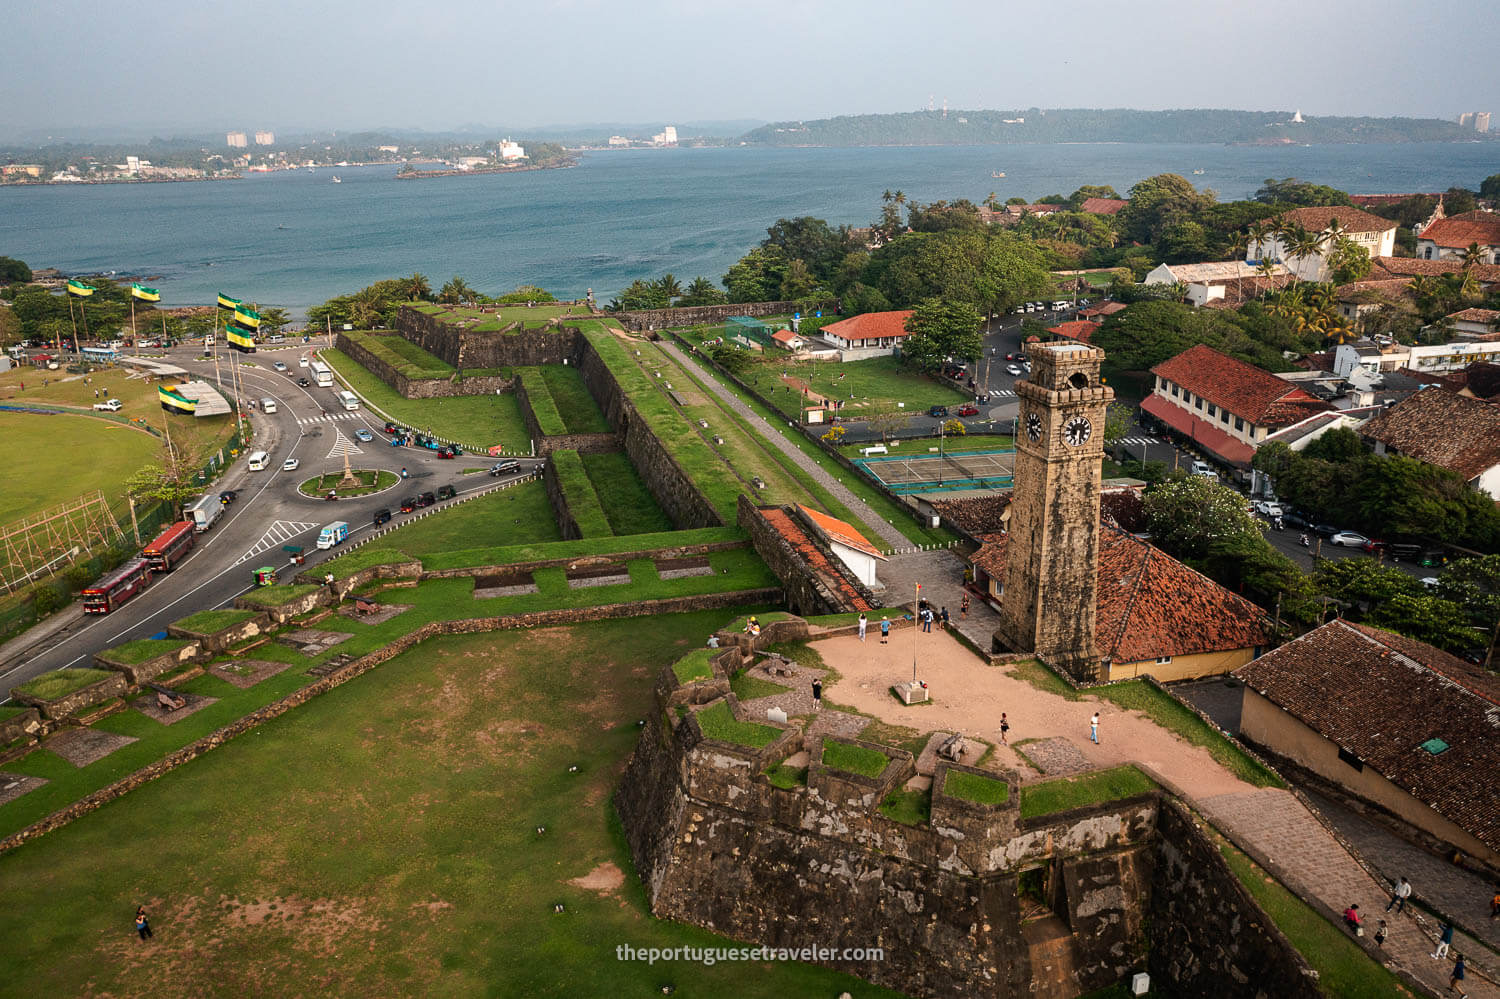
(888, 533)
(941, 574)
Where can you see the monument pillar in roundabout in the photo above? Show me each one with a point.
(1052, 549)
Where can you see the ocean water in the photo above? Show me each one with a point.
(295, 238)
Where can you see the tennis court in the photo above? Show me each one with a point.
(934, 473)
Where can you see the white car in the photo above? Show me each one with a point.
(1012, 369)
(1349, 539)
(290, 465)
(1429, 581)
(1267, 508)
(279, 366)
(108, 406)
(1204, 469)
(302, 361)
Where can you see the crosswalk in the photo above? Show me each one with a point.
(343, 446)
(326, 418)
(280, 533)
(1138, 441)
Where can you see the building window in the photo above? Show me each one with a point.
(1176, 391)
(1239, 424)
(1225, 417)
(1163, 660)
(1213, 410)
(1198, 402)
(1352, 760)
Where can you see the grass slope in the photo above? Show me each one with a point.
(582, 502)
(517, 515)
(579, 410)
(627, 502)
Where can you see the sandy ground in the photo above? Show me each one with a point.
(969, 694)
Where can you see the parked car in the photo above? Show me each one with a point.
(279, 365)
(1403, 550)
(1349, 539)
(392, 428)
(363, 436)
(507, 467)
(108, 406)
(228, 496)
(409, 504)
(937, 411)
(1373, 545)
(1204, 469)
(426, 499)
(1013, 369)
(1267, 508)
(302, 361)
(1296, 518)
(969, 410)
(381, 516)
(1327, 530)
(446, 492)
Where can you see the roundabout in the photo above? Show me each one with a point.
(366, 482)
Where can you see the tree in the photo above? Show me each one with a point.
(1158, 202)
(954, 428)
(940, 330)
(1348, 261)
(640, 295)
(701, 291)
(1116, 422)
(418, 289)
(810, 240)
(1363, 583)
(13, 271)
(169, 481)
(669, 287)
(456, 291)
(1088, 191)
(526, 293)
(273, 319)
(798, 282)
(1429, 619)
(1457, 200)
(756, 277)
(835, 435)
(1292, 191)
(731, 358)
(886, 424)
(1489, 189)
(366, 310)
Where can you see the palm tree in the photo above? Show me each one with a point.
(365, 311)
(1259, 233)
(670, 287)
(1302, 243)
(417, 287)
(456, 291)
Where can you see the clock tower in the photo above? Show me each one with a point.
(1052, 551)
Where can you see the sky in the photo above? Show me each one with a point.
(357, 64)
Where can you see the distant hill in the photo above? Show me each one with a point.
(971, 128)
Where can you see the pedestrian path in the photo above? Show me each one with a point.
(326, 418)
(1280, 831)
(280, 533)
(887, 532)
(1138, 441)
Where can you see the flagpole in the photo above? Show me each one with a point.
(85, 315)
(132, 317)
(916, 610)
(74, 319)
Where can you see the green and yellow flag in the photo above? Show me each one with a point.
(80, 290)
(247, 317)
(175, 402)
(228, 304)
(145, 294)
(239, 338)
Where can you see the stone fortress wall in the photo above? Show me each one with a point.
(1129, 884)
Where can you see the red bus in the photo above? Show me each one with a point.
(116, 587)
(170, 547)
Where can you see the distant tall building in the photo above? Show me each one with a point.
(512, 151)
(236, 140)
(618, 140)
(1481, 121)
(666, 137)
(1466, 119)
(265, 138)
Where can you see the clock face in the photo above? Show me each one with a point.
(1033, 426)
(1077, 431)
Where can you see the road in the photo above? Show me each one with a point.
(310, 425)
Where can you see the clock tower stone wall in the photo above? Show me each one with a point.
(1052, 552)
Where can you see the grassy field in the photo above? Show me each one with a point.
(507, 554)
(1052, 796)
(398, 855)
(514, 516)
(854, 759)
(627, 502)
(208, 621)
(582, 502)
(493, 319)
(371, 480)
(579, 410)
(718, 722)
(404, 356)
(477, 420)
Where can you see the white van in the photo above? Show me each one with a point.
(349, 399)
(258, 460)
(268, 405)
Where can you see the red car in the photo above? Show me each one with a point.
(968, 410)
(1373, 545)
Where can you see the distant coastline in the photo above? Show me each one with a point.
(471, 171)
(83, 181)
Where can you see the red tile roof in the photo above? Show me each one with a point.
(1102, 206)
(1150, 604)
(870, 326)
(1458, 231)
(1078, 329)
(1380, 696)
(838, 530)
(783, 524)
(1441, 428)
(784, 336)
(1101, 310)
(1206, 433)
(1255, 395)
(1409, 267)
(1373, 292)
(1489, 316)
(1350, 219)
(978, 515)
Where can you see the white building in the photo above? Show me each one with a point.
(618, 142)
(1375, 234)
(666, 137)
(265, 138)
(236, 140)
(1210, 281)
(511, 151)
(1448, 238)
(1432, 358)
(470, 162)
(851, 547)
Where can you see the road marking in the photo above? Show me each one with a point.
(343, 446)
(1138, 440)
(281, 531)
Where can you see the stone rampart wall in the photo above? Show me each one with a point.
(806, 592)
(464, 349)
(656, 319)
(558, 498)
(70, 704)
(150, 669)
(424, 388)
(218, 641)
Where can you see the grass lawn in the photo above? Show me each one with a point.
(276, 596)
(35, 478)
(397, 854)
(370, 481)
(1344, 969)
(59, 683)
(477, 421)
(972, 787)
(206, 622)
(549, 420)
(518, 515)
(142, 649)
(718, 722)
(578, 492)
(535, 552)
(1136, 695)
(1052, 796)
(748, 688)
(628, 504)
(694, 666)
(877, 385)
(912, 808)
(579, 410)
(404, 356)
(787, 777)
(348, 564)
(853, 759)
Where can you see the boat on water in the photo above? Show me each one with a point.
(1197, 173)
(997, 174)
(336, 179)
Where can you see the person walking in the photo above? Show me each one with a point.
(1399, 895)
(927, 619)
(1380, 934)
(142, 924)
(944, 616)
(817, 686)
(963, 608)
(1456, 977)
(1004, 728)
(1094, 729)
(1444, 942)
(863, 622)
(885, 629)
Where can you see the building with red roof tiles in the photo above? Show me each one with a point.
(1387, 200)
(1102, 310)
(788, 339)
(1475, 322)
(1103, 206)
(1080, 330)
(1390, 720)
(1375, 234)
(869, 333)
(814, 579)
(1448, 238)
(1446, 430)
(1223, 405)
(851, 547)
(1412, 267)
(1155, 615)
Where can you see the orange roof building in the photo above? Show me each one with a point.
(851, 547)
(1103, 206)
(1447, 238)
(1078, 330)
(869, 331)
